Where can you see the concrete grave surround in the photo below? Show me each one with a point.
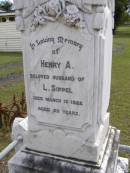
(67, 68)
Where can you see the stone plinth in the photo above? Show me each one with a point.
(28, 161)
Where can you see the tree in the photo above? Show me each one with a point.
(121, 7)
(6, 5)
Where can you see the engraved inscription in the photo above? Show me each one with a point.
(58, 78)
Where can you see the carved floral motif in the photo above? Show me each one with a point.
(70, 11)
(72, 16)
(52, 10)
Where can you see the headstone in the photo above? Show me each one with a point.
(67, 67)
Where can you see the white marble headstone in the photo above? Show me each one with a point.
(67, 66)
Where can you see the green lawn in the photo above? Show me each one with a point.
(120, 90)
(10, 67)
(10, 58)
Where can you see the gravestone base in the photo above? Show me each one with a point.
(122, 165)
(29, 161)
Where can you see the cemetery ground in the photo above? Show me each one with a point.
(120, 88)
(11, 82)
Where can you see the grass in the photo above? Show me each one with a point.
(4, 138)
(10, 65)
(10, 58)
(8, 90)
(120, 88)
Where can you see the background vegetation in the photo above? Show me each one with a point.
(6, 5)
(121, 11)
(11, 82)
(120, 89)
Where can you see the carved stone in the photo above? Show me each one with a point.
(67, 64)
(43, 11)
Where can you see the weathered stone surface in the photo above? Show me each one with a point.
(28, 161)
(20, 128)
(122, 165)
(67, 66)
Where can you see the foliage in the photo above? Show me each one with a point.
(121, 14)
(6, 5)
(9, 63)
(17, 108)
